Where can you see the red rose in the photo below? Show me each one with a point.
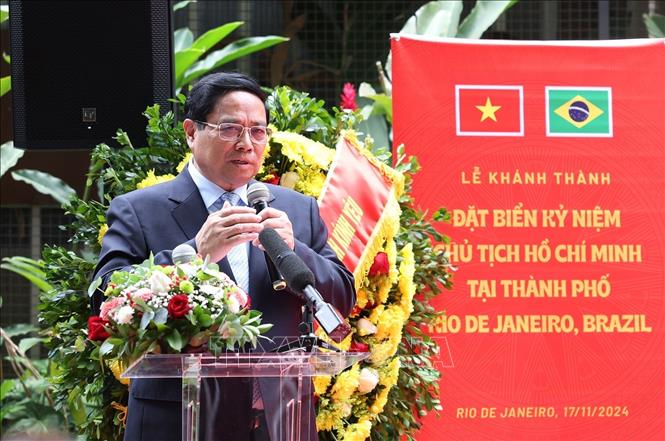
(380, 265)
(178, 306)
(357, 346)
(274, 180)
(96, 330)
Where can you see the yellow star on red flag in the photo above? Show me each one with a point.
(488, 110)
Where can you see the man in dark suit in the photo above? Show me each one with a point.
(205, 206)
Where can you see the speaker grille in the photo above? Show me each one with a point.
(86, 69)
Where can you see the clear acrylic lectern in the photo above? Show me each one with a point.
(292, 367)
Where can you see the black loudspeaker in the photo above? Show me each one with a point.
(83, 69)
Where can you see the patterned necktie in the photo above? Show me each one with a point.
(237, 257)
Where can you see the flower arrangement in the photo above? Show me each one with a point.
(171, 308)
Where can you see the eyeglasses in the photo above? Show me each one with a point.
(233, 132)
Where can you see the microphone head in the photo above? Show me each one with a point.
(183, 253)
(257, 192)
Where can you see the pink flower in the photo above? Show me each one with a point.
(143, 293)
(110, 306)
(348, 97)
(240, 296)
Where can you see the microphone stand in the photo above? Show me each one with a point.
(307, 340)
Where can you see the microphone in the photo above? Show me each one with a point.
(183, 253)
(257, 196)
(300, 278)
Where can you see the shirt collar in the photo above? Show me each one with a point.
(210, 191)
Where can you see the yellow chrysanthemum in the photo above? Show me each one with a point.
(380, 401)
(346, 384)
(311, 181)
(321, 384)
(184, 162)
(327, 419)
(301, 149)
(384, 350)
(359, 431)
(407, 288)
(361, 298)
(391, 251)
(151, 179)
(102, 231)
(389, 374)
(117, 368)
(390, 322)
(375, 315)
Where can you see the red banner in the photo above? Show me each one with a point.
(358, 204)
(551, 159)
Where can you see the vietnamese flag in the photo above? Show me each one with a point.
(489, 110)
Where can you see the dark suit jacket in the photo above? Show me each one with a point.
(159, 218)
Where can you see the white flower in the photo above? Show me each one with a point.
(234, 305)
(367, 380)
(365, 327)
(159, 282)
(124, 315)
(213, 291)
(188, 268)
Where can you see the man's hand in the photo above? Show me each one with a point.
(278, 221)
(226, 228)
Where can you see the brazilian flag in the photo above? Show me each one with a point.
(579, 111)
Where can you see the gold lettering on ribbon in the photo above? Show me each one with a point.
(344, 229)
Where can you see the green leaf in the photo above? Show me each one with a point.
(184, 59)
(6, 387)
(161, 315)
(437, 18)
(20, 329)
(93, 286)
(9, 156)
(233, 51)
(384, 105)
(26, 343)
(655, 24)
(175, 340)
(5, 84)
(4, 13)
(482, 16)
(145, 319)
(182, 40)
(77, 406)
(181, 4)
(28, 269)
(106, 347)
(189, 51)
(209, 39)
(46, 184)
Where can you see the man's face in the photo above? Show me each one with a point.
(229, 164)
